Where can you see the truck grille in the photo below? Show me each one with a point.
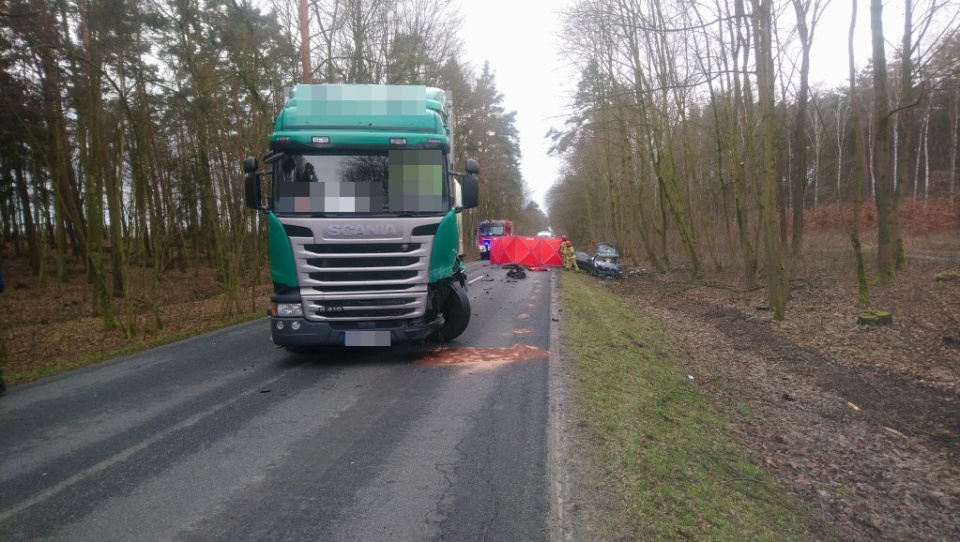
(366, 308)
(362, 262)
(354, 276)
(365, 248)
(366, 288)
(363, 281)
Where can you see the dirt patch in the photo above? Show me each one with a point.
(860, 422)
(906, 405)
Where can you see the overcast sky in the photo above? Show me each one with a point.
(520, 40)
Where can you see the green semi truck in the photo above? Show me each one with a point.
(363, 210)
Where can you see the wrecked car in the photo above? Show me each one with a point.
(604, 263)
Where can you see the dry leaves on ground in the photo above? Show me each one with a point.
(862, 423)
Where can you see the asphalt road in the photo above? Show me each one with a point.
(225, 437)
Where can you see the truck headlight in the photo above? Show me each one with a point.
(287, 310)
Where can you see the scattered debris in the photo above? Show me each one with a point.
(516, 271)
(894, 431)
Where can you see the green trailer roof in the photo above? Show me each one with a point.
(362, 114)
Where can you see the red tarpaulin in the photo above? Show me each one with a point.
(527, 251)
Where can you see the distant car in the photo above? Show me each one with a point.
(544, 233)
(605, 263)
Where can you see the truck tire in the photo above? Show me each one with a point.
(456, 314)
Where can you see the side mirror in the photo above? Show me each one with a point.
(251, 187)
(250, 165)
(473, 167)
(470, 196)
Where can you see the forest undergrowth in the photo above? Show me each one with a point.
(860, 422)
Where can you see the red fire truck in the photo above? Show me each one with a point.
(487, 230)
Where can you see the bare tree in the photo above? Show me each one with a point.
(774, 266)
(863, 288)
(742, 139)
(305, 42)
(69, 217)
(819, 127)
(888, 221)
(805, 30)
(954, 137)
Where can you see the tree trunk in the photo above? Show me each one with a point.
(118, 253)
(863, 288)
(800, 127)
(66, 193)
(884, 195)
(954, 136)
(642, 119)
(841, 122)
(96, 161)
(305, 43)
(663, 148)
(817, 149)
(742, 126)
(774, 266)
(905, 120)
(33, 242)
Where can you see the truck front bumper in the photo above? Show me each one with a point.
(302, 332)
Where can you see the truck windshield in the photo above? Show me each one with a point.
(390, 182)
(491, 230)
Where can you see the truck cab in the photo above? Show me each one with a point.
(363, 216)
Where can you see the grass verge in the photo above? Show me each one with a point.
(669, 461)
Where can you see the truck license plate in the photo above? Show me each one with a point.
(366, 337)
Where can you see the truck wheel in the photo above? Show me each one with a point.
(456, 314)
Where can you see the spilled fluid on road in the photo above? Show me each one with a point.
(454, 356)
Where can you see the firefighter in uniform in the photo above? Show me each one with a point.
(569, 256)
(563, 250)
